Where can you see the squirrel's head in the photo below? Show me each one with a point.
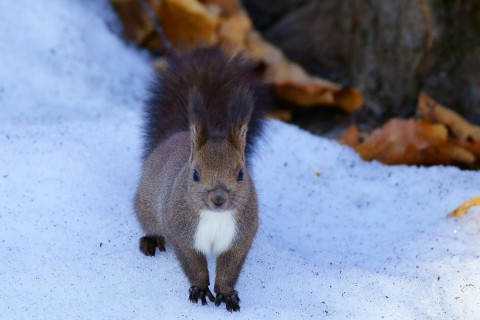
(218, 177)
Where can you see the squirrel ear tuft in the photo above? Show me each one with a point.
(240, 108)
(197, 119)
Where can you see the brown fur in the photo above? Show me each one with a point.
(216, 75)
(212, 145)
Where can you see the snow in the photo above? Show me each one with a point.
(339, 238)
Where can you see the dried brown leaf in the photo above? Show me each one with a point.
(430, 110)
(188, 22)
(472, 146)
(283, 115)
(233, 31)
(227, 7)
(136, 24)
(351, 137)
(415, 142)
(294, 84)
(192, 22)
(463, 208)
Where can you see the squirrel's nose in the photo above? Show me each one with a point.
(218, 197)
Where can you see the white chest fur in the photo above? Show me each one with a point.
(215, 231)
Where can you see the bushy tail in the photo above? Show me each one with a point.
(218, 78)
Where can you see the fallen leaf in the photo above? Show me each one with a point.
(294, 84)
(461, 129)
(463, 208)
(414, 142)
(351, 137)
(208, 22)
(233, 31)
(188, 22)
(227, 7)
(136, 24)
(471, 146)
(283, 115)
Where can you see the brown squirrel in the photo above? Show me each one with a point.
(202, 120)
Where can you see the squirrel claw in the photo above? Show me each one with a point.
(196, 293)
(231, 301)
(148, 245)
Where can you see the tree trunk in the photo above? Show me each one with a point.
(389, 49)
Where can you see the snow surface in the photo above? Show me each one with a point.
(339, 238)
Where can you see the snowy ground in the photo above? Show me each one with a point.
(339, 238)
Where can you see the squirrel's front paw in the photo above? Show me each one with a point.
(195, 293)
(231, 301)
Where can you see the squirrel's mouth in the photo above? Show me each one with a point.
(205, 204)
(219, 208)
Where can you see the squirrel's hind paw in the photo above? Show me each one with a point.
(231, 301)
(148, 245)
(196, 293)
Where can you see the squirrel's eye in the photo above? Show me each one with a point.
(240, 175)
(196, 176)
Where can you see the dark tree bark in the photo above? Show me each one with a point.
(389, 49)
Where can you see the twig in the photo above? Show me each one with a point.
(156, 24)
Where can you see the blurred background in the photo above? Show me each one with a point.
(398, 81)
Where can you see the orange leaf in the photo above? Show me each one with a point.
(471, 146)
(207, 22)
(415, 142)
(136, 24)
(227, 7)
(463, 208)
(351, 136)
(429, 109)
(188, 22)
(294, 84)
(233, 30)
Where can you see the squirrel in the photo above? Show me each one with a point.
(202, 120)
